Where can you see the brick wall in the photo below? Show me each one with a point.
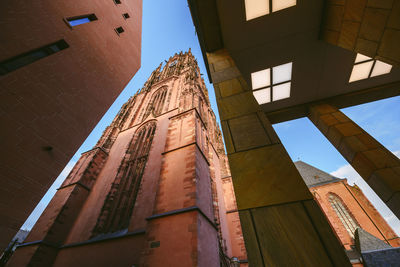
(49, 107)
(359, 207)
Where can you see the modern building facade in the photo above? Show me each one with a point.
(154, 191)
(272, 61)
(347, 210)
(62, 64)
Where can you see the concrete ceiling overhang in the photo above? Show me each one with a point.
(320, 71)
(205, 18)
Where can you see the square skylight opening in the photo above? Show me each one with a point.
(272, 84)
(256, 8)
(260, 79)
(282, 4)
(381, 68)
(282, 73)
(361, 71)
(281, 91)
(366, 67)
(263, 96)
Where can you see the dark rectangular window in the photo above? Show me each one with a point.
(117, 2)
(126, 16)
(119, 30)
(27, 58)
(78, 20)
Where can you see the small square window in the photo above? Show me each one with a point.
(119, 30)
(117, 2)
(126, 16)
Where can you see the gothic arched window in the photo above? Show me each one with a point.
(156, 103)
(344, 215)
(118, 205)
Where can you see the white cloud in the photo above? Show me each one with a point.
(353, 177)
(40, 207)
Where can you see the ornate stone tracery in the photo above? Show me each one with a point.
(344, 215)
(156, 103)
(119, 203)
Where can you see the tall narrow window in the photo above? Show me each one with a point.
(78, 20)
(27, 58)
(156, 103)
(118, 206)
(345, 217)
(200, 107)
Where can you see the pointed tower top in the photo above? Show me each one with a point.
(367, 242)
(313, 176)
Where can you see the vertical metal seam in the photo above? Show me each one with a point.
(258, 241)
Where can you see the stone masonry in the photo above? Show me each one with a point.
(154, 191)
(369, 27)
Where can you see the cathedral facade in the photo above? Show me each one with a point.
(154, 191)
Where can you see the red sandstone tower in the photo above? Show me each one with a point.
(154, 191)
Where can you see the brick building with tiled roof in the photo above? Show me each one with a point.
(346, 208)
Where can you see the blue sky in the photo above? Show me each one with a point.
(168, 29)
(304, 142)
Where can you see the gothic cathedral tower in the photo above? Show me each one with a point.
(154, 191)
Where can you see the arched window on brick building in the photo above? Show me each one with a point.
(118, 205)
(348, 221)
(156, 103)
